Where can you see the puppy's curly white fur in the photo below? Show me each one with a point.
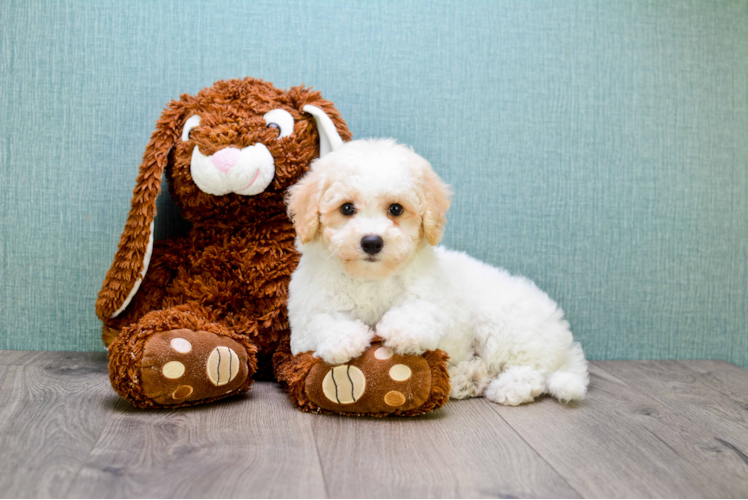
(368, 217)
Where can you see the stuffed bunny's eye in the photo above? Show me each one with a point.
(193, 122)
(280, 119)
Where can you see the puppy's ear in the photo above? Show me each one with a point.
(136, 244)
(303, 206)
(437, 197)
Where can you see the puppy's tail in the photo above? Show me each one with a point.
(570, 382)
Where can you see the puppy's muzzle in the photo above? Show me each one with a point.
(372, 244)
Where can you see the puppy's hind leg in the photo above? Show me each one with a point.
(522, 384)
(569, 383)
(468, 379)
(516, 385)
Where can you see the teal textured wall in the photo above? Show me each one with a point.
(600, 148)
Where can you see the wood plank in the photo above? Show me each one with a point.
(676, 428)
(257, 445)
(37, 358)
(622, 443)
(15, 357)
(682, 389)
(723, 376)
(22, 358)
(462, 450)
(52, 412)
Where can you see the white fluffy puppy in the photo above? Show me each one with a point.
(368, 217)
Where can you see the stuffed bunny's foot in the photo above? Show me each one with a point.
(377, 383)
(183, 365)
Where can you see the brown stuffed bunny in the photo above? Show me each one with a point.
(211, 309)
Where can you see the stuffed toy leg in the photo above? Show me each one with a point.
(178, 357)
(378, 383)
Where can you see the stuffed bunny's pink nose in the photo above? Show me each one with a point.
(225, 159)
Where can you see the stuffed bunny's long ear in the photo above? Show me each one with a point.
(136, 244)
(329, 139)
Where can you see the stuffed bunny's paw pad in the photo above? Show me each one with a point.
(183, 365)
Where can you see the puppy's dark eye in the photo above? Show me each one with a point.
(395, 209)
(348, 209)
(275, 126)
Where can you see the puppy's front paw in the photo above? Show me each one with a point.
(339, 349)
(407, 335)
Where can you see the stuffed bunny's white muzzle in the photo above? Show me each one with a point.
(247, 171)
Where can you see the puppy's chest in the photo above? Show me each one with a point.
(370, 301)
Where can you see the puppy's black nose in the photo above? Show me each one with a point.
(372, 244)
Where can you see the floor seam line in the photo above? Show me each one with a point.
(684, 363)
(319, 461)
(677, 412)
(650, 396)
(563, 478)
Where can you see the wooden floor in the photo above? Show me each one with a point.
(647, 429)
